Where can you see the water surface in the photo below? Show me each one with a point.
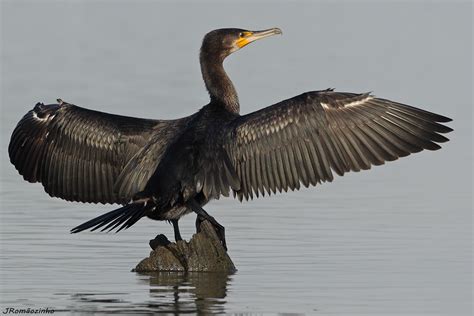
(394, 240)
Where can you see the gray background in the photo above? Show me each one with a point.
(394, 240)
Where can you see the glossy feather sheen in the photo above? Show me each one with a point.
(319, 132)
(79, 154)
(162, 169)
(88, 156)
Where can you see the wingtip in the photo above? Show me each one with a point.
(448, 129)
(445, 119)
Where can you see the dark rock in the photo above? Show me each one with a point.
(160, 240)
(203, 253)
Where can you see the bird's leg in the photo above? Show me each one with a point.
(177, 235)
(203, 215)
(199, 220)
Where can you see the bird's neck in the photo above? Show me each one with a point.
(219, 85)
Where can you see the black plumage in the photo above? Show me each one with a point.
(164, 169)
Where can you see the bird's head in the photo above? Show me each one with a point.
(223, 42)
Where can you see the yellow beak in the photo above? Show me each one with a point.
(249, 37)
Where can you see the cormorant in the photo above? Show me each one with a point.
(164, 169)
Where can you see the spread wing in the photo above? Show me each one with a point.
(304, 139)
(78, 154)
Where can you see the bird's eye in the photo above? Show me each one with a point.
(241, 34)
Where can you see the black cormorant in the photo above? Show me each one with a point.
(164, 169)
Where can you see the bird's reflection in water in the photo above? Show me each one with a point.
(172, 293)
(175, 292)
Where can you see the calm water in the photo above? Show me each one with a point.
(395, 240)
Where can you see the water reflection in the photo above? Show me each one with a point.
(188, 292)
(172, 293)
(396, 239)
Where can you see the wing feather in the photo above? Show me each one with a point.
(304, 139)
(79, 154)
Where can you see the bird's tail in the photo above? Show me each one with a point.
(125, 216)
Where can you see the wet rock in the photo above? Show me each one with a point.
(203, 253)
